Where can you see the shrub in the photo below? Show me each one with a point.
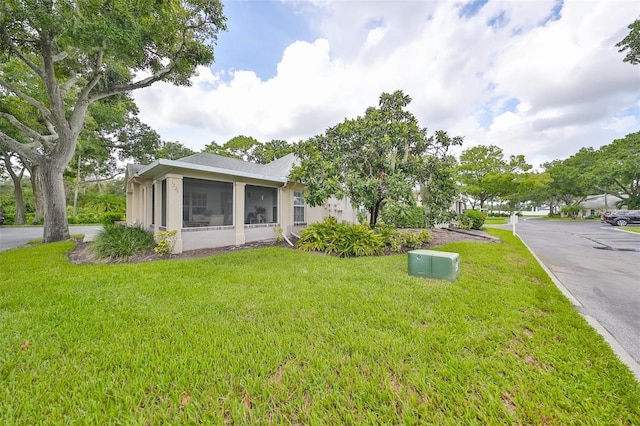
(414, 240)
(403, 216)
(496, 214)
(571, 211)
(461, 221)
(347, 240)
(111, 218)
(342, 239)
(477, 218)
(121, 242)
(166, 241)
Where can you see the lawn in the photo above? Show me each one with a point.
(632, 229)
(273, 336)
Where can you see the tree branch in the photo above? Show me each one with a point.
(44, 139)
(29, 151)
(59, 56)
(31, 101)
(19, 54)
(133, 86)
(69, 83)
(78, 116)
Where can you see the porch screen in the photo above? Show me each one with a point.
(206, 203)
(260, 204)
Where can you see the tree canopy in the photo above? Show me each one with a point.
(250, 149)
(616, 169)
(374, 158)
(62, 56)
(631, 44)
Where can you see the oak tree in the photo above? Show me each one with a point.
(61, 56)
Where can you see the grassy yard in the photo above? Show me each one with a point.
(275, 336)
(635, 229)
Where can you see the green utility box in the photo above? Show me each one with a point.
(434, 264)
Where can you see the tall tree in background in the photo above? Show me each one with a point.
(82, 51)
(616, 170)
(173, 150)
(15, 172)
(482, 173)
(631, 44)
(438, 186)
(239, 147)
(571, 181)
(267, 152)
(248, 148)
(371, 159)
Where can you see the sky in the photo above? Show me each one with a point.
(542, 78)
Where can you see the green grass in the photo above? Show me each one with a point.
(39, 240)
(276, 336)
(631, 229)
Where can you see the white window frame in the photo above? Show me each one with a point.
(299, 206)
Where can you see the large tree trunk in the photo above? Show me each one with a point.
(38, 198)
(20, 218)
(20, 213)
(56, 225)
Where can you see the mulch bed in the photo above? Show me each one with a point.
(82, 254)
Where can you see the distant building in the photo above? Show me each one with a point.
(596, 205)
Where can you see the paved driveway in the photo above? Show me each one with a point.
(599, 265)
(18, 237)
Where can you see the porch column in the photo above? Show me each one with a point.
(238, 215)
(174, 208)
(157, 208)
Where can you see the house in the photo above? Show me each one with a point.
(215, 201)
(596, 205)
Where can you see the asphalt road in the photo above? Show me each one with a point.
(599, 265)
(18, 237)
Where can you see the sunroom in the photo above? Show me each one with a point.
(213, 201)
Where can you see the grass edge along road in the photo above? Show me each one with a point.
(279, 336)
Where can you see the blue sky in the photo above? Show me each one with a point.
(541, 78)
(258, 32)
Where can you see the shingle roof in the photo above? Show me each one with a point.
(278, 170)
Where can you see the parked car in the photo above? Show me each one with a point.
(622, 217)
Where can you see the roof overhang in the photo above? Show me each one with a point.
(163, 166)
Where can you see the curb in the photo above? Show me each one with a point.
(620, 352)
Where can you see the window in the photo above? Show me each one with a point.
(298, 207)
(206, 203)
(260, 204)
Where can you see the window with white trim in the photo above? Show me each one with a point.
(298, 207)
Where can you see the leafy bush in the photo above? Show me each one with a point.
(9, 218)
(477, 218)
(460, 221)
(166, 241)
(111, 218)
(342, 239)
(348, 240)
(403, 216)
(121, 242)
(571, 211)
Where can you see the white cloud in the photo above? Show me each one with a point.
(511, 76)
